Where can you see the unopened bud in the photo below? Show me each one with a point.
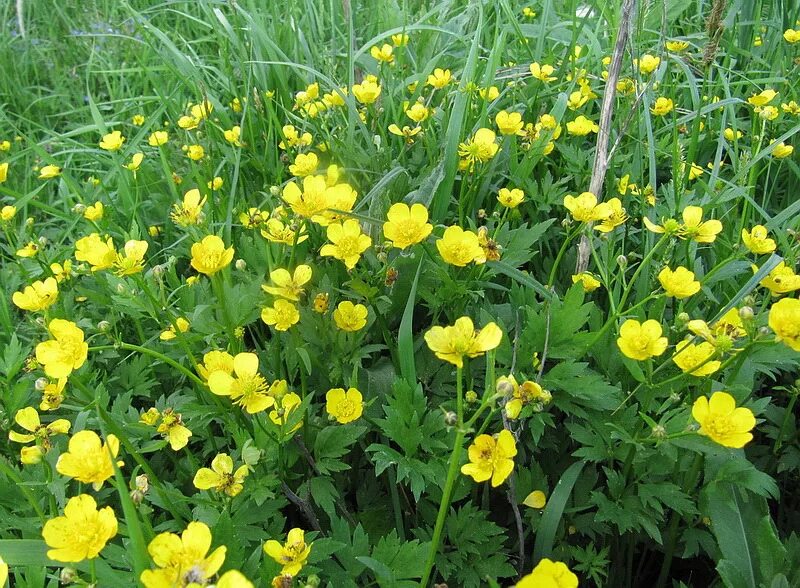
(746, 313)
(683, 318)
(764, 332)
(450, 418)
(121, 288)
(103, 326)
(79, 208)
(158, 271)
(659, 432)
(67, 576)
(274, 190)
(505, 386)
(622, 261)
(749, 300)
(42, 241)
(471, 396)
(313, 581)
(40, 384)
(29, 222)
(241, 265)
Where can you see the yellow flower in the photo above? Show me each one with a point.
(528, 12)
(38, 296)
(679, 283)
(188, 123)
(287, 403)
(587, 280)
(694, 227)
(452, 343)
(510, 198)
(721, 421)
(97, 253)
(248, 389)
(232, 135)
(182, 560)
(549, 574)
(233, 579)
(383, 54)
(480, 148)
(509, 123)
(763, 98)
(757, 240)
(190, 211)
(695, 359)
(647, 64)
(406, 132)
(523, 394)
(459, 247)
(221, 476)
(312, 200)
(780, 280)
(131, 260)
(170, 333)
(731, 135)
(542, 72)
(65, 352)
(791, 107)
(406, 226)
(304, 164)
(158, 138)
(277, 231)
(28, 419)
(490, 458)
(347, 242)
(767, 112)
(136, 161)
(7, 212)
(641, 341)
(94, 212)
(418, 112)
(784, 319)
(49, 171)
(536, 499)
(3, 571)
(112, 141)
(213, 361)
(28, 250)
(195, 152)
(662, 106)
(582, 126)
(400, 40)
(3, 173)
(344, 406)
(88, 459)
(293, 138)
(209, 255)
(53, 394)
(292, 555)
(584, 208)
(439, 78)
(138, 120)
(367, 91)
(782, 150)
(286, 285)
(617, 217)
(350, 317)
(791, 35)
(81, 533)
(677, 46)
(281, 315)
(321, 302)
(576, 100)
(489, 94)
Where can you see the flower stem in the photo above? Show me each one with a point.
(156, 354)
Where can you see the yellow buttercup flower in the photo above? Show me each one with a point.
(282, 411)
(731, 135)
(452, 343)
(49, 171)
(641, 341)
(293, 554)
(38, 433)
(767, 112)
(81, 533)
(790, 107)
(550, 574)
(763, 98)
(679, 283)
(286, 285)
(589, 282)
(247, 389)
(131, 260)
(576, 100)
(112, 141)
(347, 242)
(221, 476)
(406, 132)
(53, 394)
(184, 560)
(28, 250)
(480, 148)
(89, 460)
(647, 64)
(757, 240)
(585, 208)
(96, 252)
(784, 319)
(277, 231)
(781, 280)
(294, 138)
(510, 198)
(171, 427)
(281, 315)
(65, 352)
(694, 228)
(350, 317)
(582, 126)
(617, 217)
(406, 226)
(400, 40)
(509, 123)
(367, 91)
(190, 211)
(213, 361)
(137, 120)
(304, 164)
(62, 272)
(311, 201)
(38, 296)
(158, 138)
(526, 393)
(344, 406)
(677, 46)
(491, 458)
(7, 212)
(232, 135)
(439, 78)
(722, 421)
(662, 106)
(195, 152)
(383, 54)
(782, 150)
(210, 255)
(791, 36)
(233, 579)
(94, 212)
(170, 332)
(489, 94)
(542, 72)
(3, 173)
(418, 112)
(695, 359)
(459, 247)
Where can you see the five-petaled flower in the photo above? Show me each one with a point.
(221, 476)
(81, 533)
(722, 421)
(452, 343)
(344, 406)
(293, 554)
(491, 458)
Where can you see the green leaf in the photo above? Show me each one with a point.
(405, 335)
(332, 443)
(553, 511)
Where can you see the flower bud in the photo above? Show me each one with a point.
(29, 222)
(241, 265)
(505, 386)
(67, 576)
(471, 396)
(275, 190)
(121, 288)
(746, 313)
(622, 261)
(659, 432)
(749, 300)
(79, 208)
(450, 418)
(158, 271)
(103, 326)
(682, 318)
(40, 384)
(42, 241)
(763, 332)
